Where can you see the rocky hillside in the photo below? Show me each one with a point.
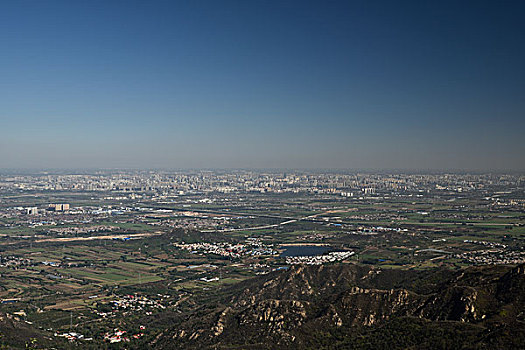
(349, 306)
(15, 334)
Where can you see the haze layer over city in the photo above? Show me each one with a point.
(262, 84)
(262, 174)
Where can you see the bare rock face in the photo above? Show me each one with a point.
(306, 306)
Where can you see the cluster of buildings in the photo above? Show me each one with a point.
(163, 184)
(492, 257)
(374, 230)
(135, 302)
(252, 247)
(118, 335)
(184, 219)
(486, 243)
(318, 259)
(72, 336)
(63, 207)
(74, 230)
(14, 261)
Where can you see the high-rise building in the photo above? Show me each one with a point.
(58, 207)
(32, 211)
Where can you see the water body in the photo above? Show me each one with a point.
(304, 250)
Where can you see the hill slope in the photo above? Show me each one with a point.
(349, 306)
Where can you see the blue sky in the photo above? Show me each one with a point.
(309, 84)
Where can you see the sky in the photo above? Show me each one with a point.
(262, 84)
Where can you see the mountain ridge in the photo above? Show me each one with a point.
(308, 306)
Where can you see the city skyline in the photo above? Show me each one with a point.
(234, 84)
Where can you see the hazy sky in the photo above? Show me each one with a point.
(310, 84)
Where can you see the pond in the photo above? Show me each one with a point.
(305, 250)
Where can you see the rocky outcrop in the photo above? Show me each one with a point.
(291, 309)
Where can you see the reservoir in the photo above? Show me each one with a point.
(304, 250)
